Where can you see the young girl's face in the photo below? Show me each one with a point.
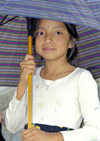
(52, 40)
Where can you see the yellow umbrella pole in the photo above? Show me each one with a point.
(30, 86)
(29, 27)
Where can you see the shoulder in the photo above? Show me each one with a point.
(86, 77)
(84, 73)
(81, 73)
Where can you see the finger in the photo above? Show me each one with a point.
(28, 57)
(27, 70)
(28, 138)
(28, 130)
(25, 73)
(27, 66)
(24, 66)
(27, 62)
(28, 134)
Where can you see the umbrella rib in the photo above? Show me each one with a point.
(3, 19)
(2, 23)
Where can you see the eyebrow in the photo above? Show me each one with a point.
(59, 26)
(52, 28)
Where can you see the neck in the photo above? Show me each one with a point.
(56, 66)
(55, 70)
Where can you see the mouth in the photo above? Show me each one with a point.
(48, 49)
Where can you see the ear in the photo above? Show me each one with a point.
(71, 43)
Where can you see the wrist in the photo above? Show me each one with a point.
(21, 90)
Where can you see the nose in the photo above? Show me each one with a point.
(48, 38)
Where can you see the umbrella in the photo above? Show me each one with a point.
(79, 12)
(13, 47)
(83, 12)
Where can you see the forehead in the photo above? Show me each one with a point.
(50, 24)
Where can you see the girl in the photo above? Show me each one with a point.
(63, 95)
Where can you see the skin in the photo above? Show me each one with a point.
(52, 42)
(34, 134)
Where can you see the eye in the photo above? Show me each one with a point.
(58, 33)
(40, 33)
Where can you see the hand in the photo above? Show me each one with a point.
(27, 67)
(34, 134)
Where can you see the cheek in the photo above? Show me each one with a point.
(63, 43)
(38, 45)
(38, 41)
(66, 42)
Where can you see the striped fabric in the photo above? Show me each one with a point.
(89, 50)
(82, 12)
(13, 47)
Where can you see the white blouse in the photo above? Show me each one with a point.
(66, 102)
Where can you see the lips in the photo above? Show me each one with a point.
(48, 49)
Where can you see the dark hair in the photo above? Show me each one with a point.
(72, 53)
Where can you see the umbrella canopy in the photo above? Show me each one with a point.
(83, 12)
(13, 47)
(13, 40)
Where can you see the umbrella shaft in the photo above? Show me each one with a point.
(30, 86)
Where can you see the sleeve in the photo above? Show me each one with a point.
(90, 110)
(16, 114)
